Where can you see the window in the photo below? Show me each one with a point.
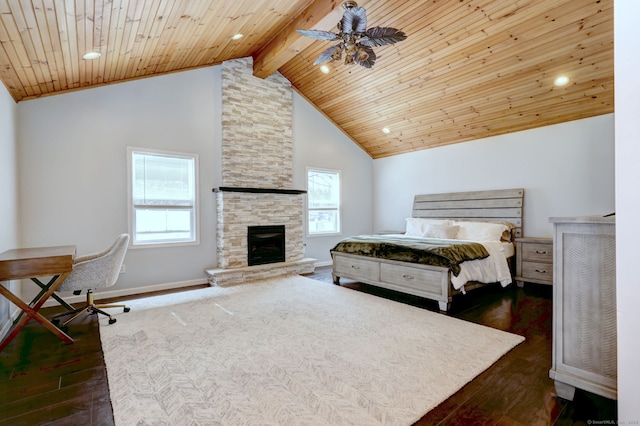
(163, 204)
(323, 207)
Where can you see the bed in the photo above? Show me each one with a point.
(453, 243)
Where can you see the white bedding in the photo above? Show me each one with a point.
(491, 269)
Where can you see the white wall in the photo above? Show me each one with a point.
(73, 176)
(318, 143)
(566, 169)
(8, 172)
(72, 168)
(8, 193)
(627, 125)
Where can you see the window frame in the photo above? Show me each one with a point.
(338, 209)
(195, 222)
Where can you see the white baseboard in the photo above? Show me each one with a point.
(5, 329)
(325, 263)
(14, 311)
(128, 291)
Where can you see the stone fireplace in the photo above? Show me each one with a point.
(257, 175)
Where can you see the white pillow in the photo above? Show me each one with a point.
(415, 225)
(480, 231)
(440, 231)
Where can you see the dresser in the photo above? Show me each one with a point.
(534, 260)
(584, 306)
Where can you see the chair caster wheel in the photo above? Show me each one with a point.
(126, 309)
(112, 320)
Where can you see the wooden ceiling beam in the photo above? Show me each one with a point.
(319, 15)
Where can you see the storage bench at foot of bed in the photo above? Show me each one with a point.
(430, 282)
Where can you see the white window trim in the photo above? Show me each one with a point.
(130, 150)
(306, 205)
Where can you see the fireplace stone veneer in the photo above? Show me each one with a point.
(257, 174)
(237, 211)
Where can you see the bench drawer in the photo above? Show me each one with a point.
(423, 280)
(362, 268)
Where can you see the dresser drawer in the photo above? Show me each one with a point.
(537, 252)
(423, 280)
(537, 271)
(365, 269)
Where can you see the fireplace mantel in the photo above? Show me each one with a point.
(259, 190)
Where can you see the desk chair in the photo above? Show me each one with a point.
(94, 271)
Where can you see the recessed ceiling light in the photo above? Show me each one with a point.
(324, 69)
(561, 81)
(386, 130)
(237, 36)
(91, 55)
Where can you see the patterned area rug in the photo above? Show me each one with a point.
(288, 351)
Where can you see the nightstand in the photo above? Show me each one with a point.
(534, 260)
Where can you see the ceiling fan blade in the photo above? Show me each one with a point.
(319, 34)
(354, 20)
(379, 36)
(327, 55)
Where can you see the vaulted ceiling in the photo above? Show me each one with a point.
(468, 69)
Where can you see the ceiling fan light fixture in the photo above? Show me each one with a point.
(562, 80)
(237, 36)
(354, 39)
(325, 69)
(386, 130)
(362, 54)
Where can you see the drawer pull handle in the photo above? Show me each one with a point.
(407, 277)
(541, 271)
(355, 267)
(541, 252)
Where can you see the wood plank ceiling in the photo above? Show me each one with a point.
(469, 69)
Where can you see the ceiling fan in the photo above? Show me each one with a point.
(356, 41)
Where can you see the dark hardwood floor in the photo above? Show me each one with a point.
(43, 381)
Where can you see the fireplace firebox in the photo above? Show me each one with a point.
(265, 244)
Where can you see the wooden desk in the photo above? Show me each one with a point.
(32, 263)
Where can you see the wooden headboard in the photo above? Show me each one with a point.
(502, 205)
